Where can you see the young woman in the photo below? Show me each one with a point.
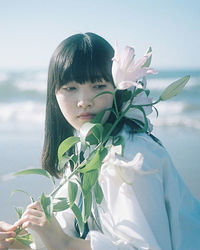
(146, 205)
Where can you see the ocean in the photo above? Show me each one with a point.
(22, 109)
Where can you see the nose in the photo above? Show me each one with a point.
(85, 102)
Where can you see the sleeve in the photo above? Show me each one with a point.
(182, 208)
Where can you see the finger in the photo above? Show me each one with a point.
(5, 235)
(34, 212)
(40, 221)
(35, 205)
(4, 227)
(28, 214)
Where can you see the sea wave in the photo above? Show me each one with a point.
(27, 113)
(23, 96)
(177, 113)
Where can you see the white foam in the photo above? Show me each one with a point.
(28, 112)
(162, 83)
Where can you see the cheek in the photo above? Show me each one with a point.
(105, 101)
(64, 105)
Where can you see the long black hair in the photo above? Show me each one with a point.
(80, 58)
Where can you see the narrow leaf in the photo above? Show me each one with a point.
(174, 88)
(36, 171)
(25, 240)
(87, 127)
(66, 145)
(61, 205)
(97, 130)
(98, 117)
(87, 205)
(84, 131)
(98, 193)
(47, 206)
(19, 211)
(89, 180)
(93, 164)
(78, 216)
(103, 93)
(20, 190)
(72, 192)
(107, 128)
(103, 154)
(126, 95)
(148, 62)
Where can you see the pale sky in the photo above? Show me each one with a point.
(30, 30)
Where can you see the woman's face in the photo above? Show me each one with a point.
(77, 104)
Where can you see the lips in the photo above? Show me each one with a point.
(86, 116)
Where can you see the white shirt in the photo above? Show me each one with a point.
(146, 205)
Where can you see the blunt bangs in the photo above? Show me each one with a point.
(83, 58)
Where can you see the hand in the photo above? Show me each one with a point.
(51, 233)
(6, 232)
(34, 218)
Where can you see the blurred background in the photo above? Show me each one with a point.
(29, 33)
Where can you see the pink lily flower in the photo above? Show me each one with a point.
(126, 72)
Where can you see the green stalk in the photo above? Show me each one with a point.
(100, 144)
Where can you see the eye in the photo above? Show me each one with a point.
(99, 86)
(69, 89)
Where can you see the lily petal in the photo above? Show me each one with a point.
(116, 52)
(128, 84)
(127, 57)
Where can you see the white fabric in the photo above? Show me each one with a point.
(146, 205)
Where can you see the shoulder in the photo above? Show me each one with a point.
(151, 151)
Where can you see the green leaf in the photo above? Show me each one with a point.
(143, 125)
(20, 190)
(156, 111)
(87, 205)
(103, 152)
(66, 145)
(107, 128)
(126, 95)
(92, 139)
(36, 171)
(61, 205)
(98, 193)
(93, 164)
(98, 117)
(19, 211)
(26, 240)
(84, 130)
(103, 93)
(148, 62)
(63, 162)
(174, 88)
(78, 216)
(47, 206)
(97, 130)
(89, 180)
(72, 192)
